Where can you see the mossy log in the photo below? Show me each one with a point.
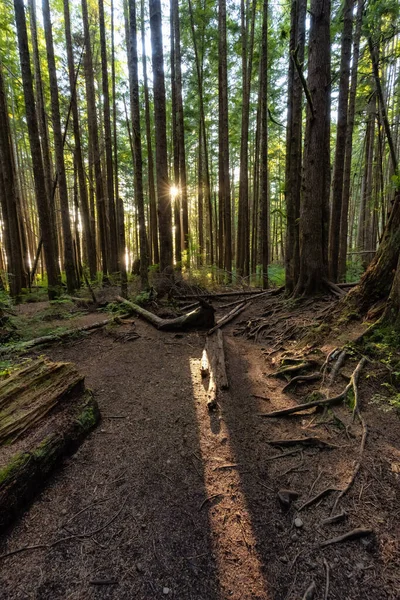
(26, 472)
(201, 317)
(32, 392)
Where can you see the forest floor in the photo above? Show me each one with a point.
(165, 499)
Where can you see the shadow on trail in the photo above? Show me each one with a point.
(131, 498)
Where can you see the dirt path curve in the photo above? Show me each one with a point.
(164, 500)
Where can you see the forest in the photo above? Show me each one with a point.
(200, 299)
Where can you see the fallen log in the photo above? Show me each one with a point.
(55, 337)
(31, 393)
(229, 316)
(201, 317)
(220, 295)
(45, 407)
(213, 365)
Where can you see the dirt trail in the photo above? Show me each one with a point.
(165, 499)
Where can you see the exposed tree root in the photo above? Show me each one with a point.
(306, 441)
(354, 534)
(302, 379)
(318, 497)
(356, 412)
(327, 571)
(338, 518)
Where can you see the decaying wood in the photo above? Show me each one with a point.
(354, 534)
(250, 299)
(23, 476)
(55, 337)
(201, 317)
(229, 316)
(213, 365)
(32, 392)
(305, 441)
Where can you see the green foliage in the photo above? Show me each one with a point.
(354, 270)
(387, 401)
(276, 275)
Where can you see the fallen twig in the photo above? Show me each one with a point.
(354, 534)
(335, 518)
(306, 441)
(208, 499)
(326, 565)
(310, 591)
(318, 497)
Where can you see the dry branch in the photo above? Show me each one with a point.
(306, 441)
(229, 316)
(310, 591)
(200, 317)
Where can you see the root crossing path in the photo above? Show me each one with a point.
(166, 499)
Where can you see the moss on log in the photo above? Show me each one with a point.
(26, 472)
(32, 392)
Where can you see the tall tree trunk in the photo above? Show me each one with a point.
(223, 133)
(349, 146)
(137, 145)
(42, 199)
(90, 247)
(200, 199)
(243, 229)
(94, 140)
(69, 259)
(113, 258)
(293, 144)
(264, 190)
(9, 201)
(314, 212)
(119, 205)
(150, 160)
(160, 121)
(207, 181)
(341, 130)
(175, 143)
(181, 134)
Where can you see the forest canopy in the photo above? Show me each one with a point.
(251, 142)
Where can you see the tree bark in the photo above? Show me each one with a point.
(341, 131)
(112, 223)
(69, 259)
(163, 185)
(224, 191)
(17, 276)
(150, 160)
(264, 192)
(94, 140)
(349, 146)
(88, 238)
(314, 212)
(137, 145)
(42, 199)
